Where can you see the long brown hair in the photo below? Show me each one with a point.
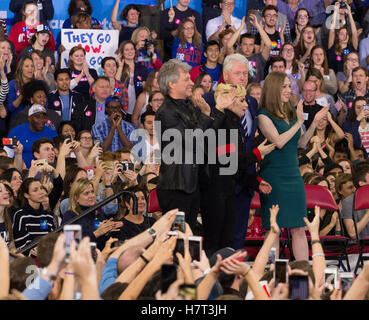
(271, 97)
(325, 62)
(196, 38)
(125, 72)
(71, 52)
(302, 47)
(295, 66)
(19, 72)
(149, 81)
(337, 47)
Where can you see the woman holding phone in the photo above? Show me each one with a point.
(81, 198)
(281, 124)
(90, 149)
(133, 223)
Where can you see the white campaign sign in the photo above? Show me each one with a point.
(97, 43)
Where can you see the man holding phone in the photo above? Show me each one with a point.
(113, 133)
(28, 133)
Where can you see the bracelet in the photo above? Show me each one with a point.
(68, 272)
(144, 259)
(319, 254)
(315, 241)
(88, 76)
(207, 271)
(109, 186)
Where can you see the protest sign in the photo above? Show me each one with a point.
(97, 44)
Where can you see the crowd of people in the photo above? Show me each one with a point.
(288, 87)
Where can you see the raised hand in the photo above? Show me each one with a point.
(171, 14)
(225, 99)
(273, 219)
(300, 112)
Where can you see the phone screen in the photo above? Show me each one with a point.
(330, 278)
(280, 272)
(194, 247)
(346, 283)
(298, 287)
(168, 276)
(179, 223)
(71, 235)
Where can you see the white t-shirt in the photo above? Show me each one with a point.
(214, 24)
(131, 95)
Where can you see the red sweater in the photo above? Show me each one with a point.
(20, 35)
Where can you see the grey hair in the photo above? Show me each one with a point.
(228, 61)
(169, 72)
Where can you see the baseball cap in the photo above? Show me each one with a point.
(36, 108)
(41, 28)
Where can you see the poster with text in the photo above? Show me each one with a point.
(97, 44)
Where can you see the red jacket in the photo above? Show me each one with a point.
(20, 35)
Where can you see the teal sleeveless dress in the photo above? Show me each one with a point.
(281, 169)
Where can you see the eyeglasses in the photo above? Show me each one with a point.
(308, 90)
(302, 17)
(353, 60)
(269, 15)
(188, 28)
(86, 138)
(288, 49)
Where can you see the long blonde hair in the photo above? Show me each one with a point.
(271, 97)
(75, 191)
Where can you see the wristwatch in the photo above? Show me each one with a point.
(48, 275)
(152, 233)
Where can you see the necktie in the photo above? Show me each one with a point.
(244, 126)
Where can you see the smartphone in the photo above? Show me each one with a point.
(10, 141)
(68, 138)
(93, 250)
(346, 279)
(127, 165)
(331, 278)
(179, 222)
(280, 271)
(179, 248)
(187, 291)
(298, 287)
(96, 141)
(172, 233)
(168, 275)
(117, 243)
(41, 163)
(195, 247)
(71, 232)
(90, 172)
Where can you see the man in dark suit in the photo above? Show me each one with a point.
(235, 71)
(178, 182)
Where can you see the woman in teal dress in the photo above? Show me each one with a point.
(281, 123)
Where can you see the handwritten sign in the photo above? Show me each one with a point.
(97, 44)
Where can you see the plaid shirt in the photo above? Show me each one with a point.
(349, 97)
(280, 22)
(101, 130)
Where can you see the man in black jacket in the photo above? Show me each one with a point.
(63, 100)
(178, 182)
(87, 113)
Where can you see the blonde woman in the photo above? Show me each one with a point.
(82, 197)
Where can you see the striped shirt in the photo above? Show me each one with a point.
(29, 224)
(4, 90)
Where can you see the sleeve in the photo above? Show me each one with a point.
(12, 96)
(210, 29)
(364, 52)
(20, 233)
(4, 90)
(198, 21)
(51, 43)
(98, 134)
(165, 26)
(38, 290)
(56, 192)
(109, 274)
(93, 73)
(347, 208)
(13, 37)
(157, 65)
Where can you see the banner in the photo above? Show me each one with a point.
(97, 44)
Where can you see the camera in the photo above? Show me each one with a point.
(148, 43)
(10, 141)
(343, 5)
(127, 165)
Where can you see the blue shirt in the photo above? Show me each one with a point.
(66, 114)
(27, 137)
(100, 112)
(214, 73)
(188, 53)
(101, 130)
